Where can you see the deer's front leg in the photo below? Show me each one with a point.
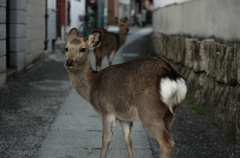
(109, 124)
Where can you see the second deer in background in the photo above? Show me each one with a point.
(111, 43)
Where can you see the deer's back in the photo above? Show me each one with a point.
(109, 43)
(131, 84)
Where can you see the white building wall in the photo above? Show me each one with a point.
(52, 11)
(52, 4)
(163, 3)
(77, 9)
(200, 18)
(124, 9)
(124, 1)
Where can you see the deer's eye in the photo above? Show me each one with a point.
(82, 50)
(66, 49)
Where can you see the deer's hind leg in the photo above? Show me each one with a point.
(110, 57)
(152, 118)
(168, 118)
(109, 124)
(127, 127)
(162, 135)
(98, 59)
(99, 63)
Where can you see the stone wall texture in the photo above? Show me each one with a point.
(17, 33)
(212, 70)
(35, 30)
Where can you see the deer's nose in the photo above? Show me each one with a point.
(127, 30)
(69, 62)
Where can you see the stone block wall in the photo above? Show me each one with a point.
(3, 20)
(22, 35)
(17, 33)
(212, 70)
(35, 30)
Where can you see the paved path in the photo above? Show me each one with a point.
(77, 129)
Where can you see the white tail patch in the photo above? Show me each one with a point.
(172, 92)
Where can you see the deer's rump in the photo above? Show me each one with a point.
(125, 88)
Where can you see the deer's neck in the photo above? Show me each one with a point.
(122, 38)
(82, 81)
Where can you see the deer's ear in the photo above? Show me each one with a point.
(73, 33)
(95, 38)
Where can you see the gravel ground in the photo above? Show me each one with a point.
(27, 112)
(196, 137)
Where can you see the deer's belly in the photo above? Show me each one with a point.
(126, 112)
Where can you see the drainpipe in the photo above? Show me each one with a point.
(46, 27)
(8, 34)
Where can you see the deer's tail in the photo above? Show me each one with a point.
(172, 92)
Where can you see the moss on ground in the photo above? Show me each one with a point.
(219, 127)
(199, 110)
(196, 108)
(234, 141)
(203, 113)
(189, 102)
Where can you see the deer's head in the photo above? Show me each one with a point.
(77, 49)
(123, 25)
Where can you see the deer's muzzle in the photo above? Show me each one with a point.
(69, 62)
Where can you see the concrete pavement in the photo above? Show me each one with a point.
(77, 129)
(77, 132)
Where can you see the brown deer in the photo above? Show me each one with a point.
(147, 89)
(111, 43)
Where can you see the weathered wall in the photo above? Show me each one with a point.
(201, 18)
(35, 30)
(212, 70)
